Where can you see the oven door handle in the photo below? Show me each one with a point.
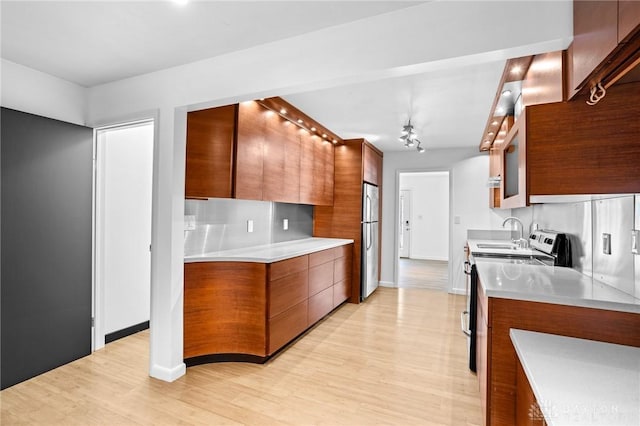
(467, 267)
(464, 325)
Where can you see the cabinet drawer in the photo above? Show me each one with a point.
(320, 305)
(287, 291)
(290, 266)
(320, 257)
(320, 277)
(342, 269)
(341, 292)
(343, 251)
(284, 327)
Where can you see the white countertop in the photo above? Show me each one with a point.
(512, 279)
(581, 382)
(270, 253)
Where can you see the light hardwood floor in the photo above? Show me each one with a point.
(399, 358)
(417, 273)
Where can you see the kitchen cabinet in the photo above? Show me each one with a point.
(571, 148)
(606, 37)
(528, 411)
(209, 154)
(343, 219)
(246, 151)
(497, 359)
(251, 310)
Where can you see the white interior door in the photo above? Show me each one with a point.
(124, 171)
(405, 223)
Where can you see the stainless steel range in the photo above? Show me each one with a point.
(546, 248)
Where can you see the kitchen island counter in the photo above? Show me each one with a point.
(578, 381)
(269, 253)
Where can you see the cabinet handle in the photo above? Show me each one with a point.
(463, 327)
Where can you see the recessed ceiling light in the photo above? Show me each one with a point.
(300, 120)
(313, 129)
(495, 123)
(335, 141)
(324, 135)
(491, 133)
(506, 93)
(283, 111)
(516, 69)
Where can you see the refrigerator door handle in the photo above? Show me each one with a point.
(369, 236)
(367, 209)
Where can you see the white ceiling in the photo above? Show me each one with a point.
(91, 42)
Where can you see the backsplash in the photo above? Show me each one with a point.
(222, 224)
(588, 224)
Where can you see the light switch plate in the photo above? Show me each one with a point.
(635, 241)
(285, 224)
(606, 243)
(249, 225)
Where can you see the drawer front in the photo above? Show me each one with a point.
(320, 305)
(341, 292)
(344, 251)
(286, 326)
(287, 291)
(342, 268)
(320, 257)
(286, 267)
(320, 278)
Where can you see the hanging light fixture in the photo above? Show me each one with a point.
(410, 138)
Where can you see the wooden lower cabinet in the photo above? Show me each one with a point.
(528, 411)
(246, 308)
(285, 327)
(497, 359)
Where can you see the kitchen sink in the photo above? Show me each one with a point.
(497, 246)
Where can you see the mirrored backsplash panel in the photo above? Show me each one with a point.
(225, 224)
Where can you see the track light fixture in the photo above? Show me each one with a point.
(409, 137)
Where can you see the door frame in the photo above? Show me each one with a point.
(98, 285)
(401, 223)
(396, 258)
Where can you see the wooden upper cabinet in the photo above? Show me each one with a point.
(281, 180)
(543, 82)
(595, 36)
(372, 172)
(628, 19)
(209, 153)
(306, 169)
(249, 172)
(316, 170)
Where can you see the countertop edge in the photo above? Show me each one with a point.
(310, 245)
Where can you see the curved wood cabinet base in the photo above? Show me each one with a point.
(246, 312)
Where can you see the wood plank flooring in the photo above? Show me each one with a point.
(397, 359)
(417, 273)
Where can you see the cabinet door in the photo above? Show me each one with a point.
(595, 35)
(628, 18)
(514, 166)
(209, 156)
(320, 305)
(281, 160)
(250, 151)
(495, 170)
(320, 277)
(307, 143)
(482, 353)
(322, 190)
(287, 292)
(372, 166)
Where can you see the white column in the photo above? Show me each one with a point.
(167, 255)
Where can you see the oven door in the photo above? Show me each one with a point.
(468, 317)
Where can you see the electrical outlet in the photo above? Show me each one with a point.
(189, 223)
(249, 225)
(606, 243)
(285, 224)
(635, 241)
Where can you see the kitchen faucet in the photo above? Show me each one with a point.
(521, 242)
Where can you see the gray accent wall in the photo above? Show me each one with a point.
(46, 242)
(221, 224)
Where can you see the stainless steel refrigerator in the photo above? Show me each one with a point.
(370, 208)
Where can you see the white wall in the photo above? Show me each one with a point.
(25, 89)
(429, 214)
(125, 164)
(469, 207)
(364, 50)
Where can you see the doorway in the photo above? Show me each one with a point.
(122, 220)
(423, 230)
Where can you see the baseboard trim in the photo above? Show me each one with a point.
(388, 284)
(168, 374)
(460, 291)
(108, 338)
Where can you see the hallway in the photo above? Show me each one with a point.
(427, 274)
